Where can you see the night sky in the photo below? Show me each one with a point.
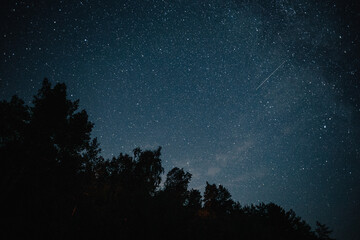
(263, 98)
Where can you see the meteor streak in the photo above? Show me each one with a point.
(270, 75)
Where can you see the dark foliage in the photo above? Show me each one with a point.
(55, 185)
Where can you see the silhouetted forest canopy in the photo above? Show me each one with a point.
(56, 185)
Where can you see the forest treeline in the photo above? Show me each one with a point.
(56, 185)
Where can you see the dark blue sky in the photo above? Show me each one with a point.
(187, 76)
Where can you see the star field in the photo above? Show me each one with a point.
(260, 97)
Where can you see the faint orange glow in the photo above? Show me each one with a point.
(203, 213)
(74, 210)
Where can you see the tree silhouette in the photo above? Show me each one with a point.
(323, 232)
(217, 200)
(176, 185)
(56, 185)
(194, 200)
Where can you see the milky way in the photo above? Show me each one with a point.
(262, 98)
